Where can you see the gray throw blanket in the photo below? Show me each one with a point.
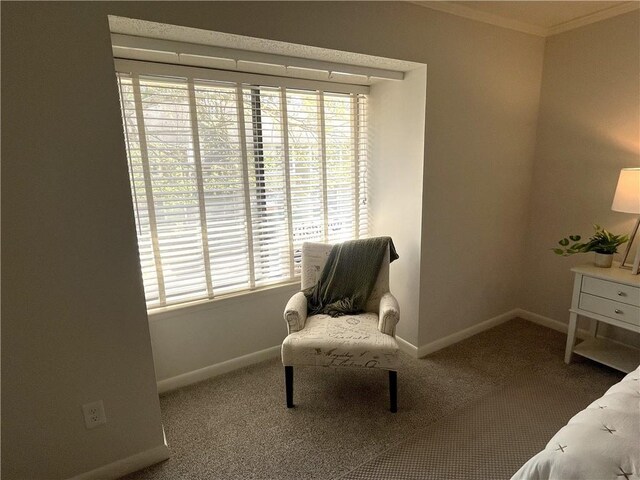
(349, 276)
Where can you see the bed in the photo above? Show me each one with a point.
(599, 443)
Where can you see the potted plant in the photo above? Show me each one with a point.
(602, 242)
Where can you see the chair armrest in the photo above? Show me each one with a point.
(389, 314)
(295, 313)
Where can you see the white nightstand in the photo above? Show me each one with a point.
(607, 295)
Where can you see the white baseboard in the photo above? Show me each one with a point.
(201, 374)
(466, 333)
(127, 465)
(406, 347)
(549, 322)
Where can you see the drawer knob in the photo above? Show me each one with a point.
(617, 310)
(621, 294)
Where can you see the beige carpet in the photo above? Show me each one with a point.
(489, 439)
(477, 409)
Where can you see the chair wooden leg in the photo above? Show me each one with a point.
(288, 380)
(393, 390)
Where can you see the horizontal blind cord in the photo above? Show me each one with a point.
(148, 189)
(201, 202)
(287, 175)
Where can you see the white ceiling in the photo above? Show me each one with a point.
(537, 17)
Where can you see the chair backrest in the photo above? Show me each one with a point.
(314, 256)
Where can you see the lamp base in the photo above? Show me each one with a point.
(635, 268)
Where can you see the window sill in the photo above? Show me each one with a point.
(221, 301)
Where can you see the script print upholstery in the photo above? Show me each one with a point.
(348, 341)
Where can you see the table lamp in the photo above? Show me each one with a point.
(627, 200)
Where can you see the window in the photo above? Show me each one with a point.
(230, 173)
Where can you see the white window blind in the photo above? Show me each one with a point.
(229, 177)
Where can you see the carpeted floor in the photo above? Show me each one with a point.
(476, 410)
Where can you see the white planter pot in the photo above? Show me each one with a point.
(604, 260)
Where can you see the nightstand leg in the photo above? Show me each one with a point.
(593, 328)
(571, 336)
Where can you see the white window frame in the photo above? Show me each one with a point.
(135, 68)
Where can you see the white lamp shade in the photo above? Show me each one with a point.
(627, 197)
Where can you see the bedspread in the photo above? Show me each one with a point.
(601, 442)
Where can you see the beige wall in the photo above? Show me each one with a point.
(482, 102)
(74, 325)
(588, 130)
(189, 339)
(396, 137)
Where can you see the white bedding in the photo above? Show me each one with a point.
(599, 443)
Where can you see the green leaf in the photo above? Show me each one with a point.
(601, 241)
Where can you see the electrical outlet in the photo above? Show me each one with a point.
(94, 414)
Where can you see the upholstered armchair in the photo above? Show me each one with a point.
(366, 340)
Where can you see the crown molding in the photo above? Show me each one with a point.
(499, 21)
(594, 17)
(479, 16)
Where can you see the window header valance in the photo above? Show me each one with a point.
(162, 69)
(189, 54)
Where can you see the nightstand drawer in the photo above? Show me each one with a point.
(613, 291)
(608, 308)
